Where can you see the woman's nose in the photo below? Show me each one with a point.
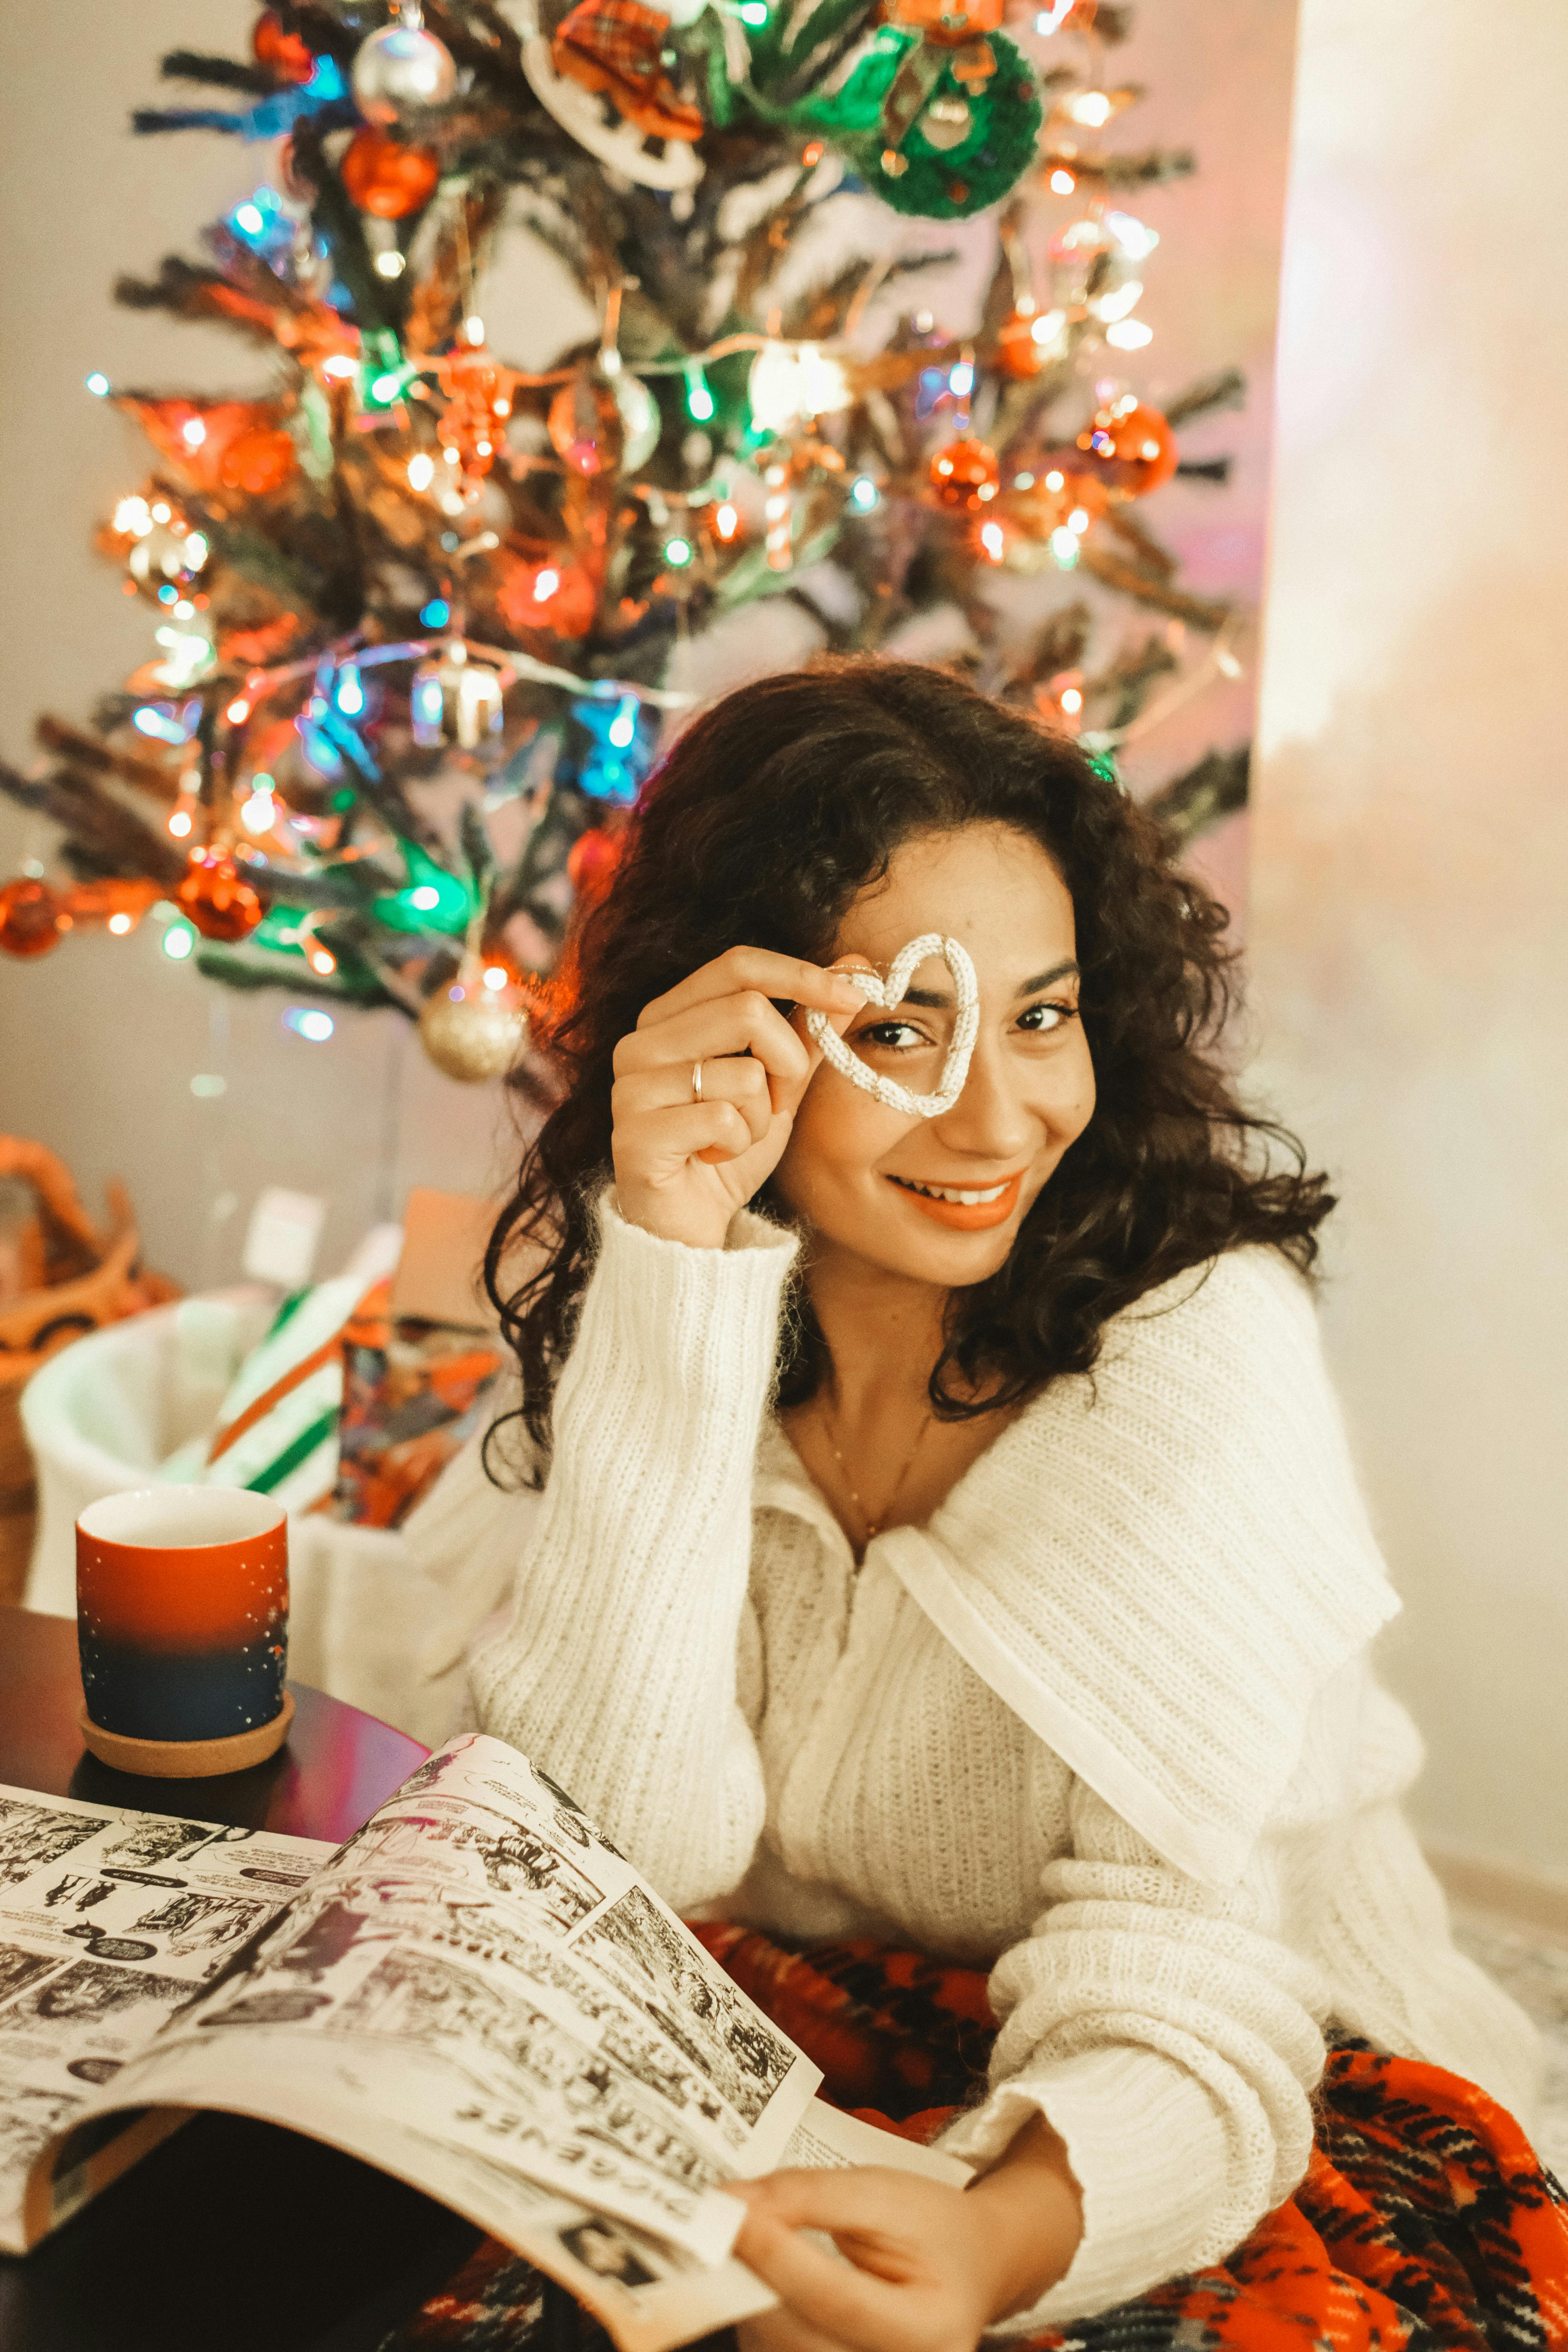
(991, 1119)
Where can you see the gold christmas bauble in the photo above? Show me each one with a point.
(471, 1032)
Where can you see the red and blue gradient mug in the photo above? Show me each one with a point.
(183, 1626)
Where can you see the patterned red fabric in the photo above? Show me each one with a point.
(615, 46)
(1425, 2222)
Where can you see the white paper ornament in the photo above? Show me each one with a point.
(889, 994)
(402, 68)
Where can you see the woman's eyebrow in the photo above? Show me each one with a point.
(934, 1000)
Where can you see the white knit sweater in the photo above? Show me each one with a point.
(1106, 1721)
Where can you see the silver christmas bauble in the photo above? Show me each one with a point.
(400, 69)
(469, 1035)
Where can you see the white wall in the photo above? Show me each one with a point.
(1409, 928)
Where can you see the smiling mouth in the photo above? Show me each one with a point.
(965, 1197)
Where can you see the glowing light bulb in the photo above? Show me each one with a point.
(119, 925)
(1224, 661)
(678, 553)
(1062, 181)
(134, 517)
(1117, 304)
(1079, 519)
(322, 961)
(991, 539)
(306, 1022)
(1092, 108)
(258, 813)
(390, 264)
(961, 379)
(238, 711)
(1130, 334)
(180, 824)
(496, 975)
(1055, 481)
(545, 584)
(1135, 237)
(1049, 326)
(97, 383)
(248, 218)
(384, 387)
(1064, 547)
(193, 432)
(437, 614)
(161, 512)
(349, 694)
(179, 942)
(699, 398)
(726, 520)
(474, 328)
(1022, 481)
(1071, 701)
(425, 900)
(863, 493)
(753, 12)
(624, 725)
(421, 471)
(339, 367)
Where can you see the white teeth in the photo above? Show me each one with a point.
(950, 1192)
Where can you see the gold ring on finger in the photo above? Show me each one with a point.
(697, 1082)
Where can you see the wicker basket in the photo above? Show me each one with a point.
(75, 1280)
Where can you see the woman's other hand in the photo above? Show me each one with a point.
(928, 2267)
(684, 1166)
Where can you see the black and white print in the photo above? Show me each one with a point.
(34, 1836)
(691, 2000)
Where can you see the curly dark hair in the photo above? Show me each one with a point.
(769, 815)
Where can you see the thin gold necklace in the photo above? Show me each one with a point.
(873, 1526)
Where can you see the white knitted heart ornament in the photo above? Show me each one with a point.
(890, 994)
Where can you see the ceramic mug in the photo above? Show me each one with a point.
(182, 1627)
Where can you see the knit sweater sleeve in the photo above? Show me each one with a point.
(1172, 2037)
(617, 1670)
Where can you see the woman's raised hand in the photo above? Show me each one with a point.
(684, 1166)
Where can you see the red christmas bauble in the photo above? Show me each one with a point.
(215, 899)
(33, 917)
(259, 460)
(1130, 445)
(561, 597)
(965, 473)
(283, 54)
(1018, 354)
(585, 427)
(384, 177)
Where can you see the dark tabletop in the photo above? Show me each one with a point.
(232, 2233)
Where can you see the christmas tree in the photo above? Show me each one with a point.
(419, 612)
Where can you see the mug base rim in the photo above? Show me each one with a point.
(187, 1759)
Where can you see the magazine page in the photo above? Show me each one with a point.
(478, 1992)
(111, 1920)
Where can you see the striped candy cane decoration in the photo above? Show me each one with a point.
(776, 515)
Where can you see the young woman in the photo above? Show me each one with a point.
(947, 1535)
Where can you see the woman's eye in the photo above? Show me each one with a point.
(1040, 1019)
(896, 1036)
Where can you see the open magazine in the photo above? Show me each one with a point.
(476, 1993)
